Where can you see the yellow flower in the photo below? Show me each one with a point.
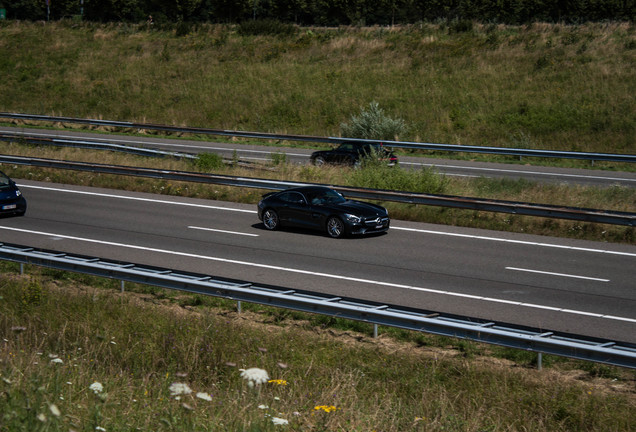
(325, 408)
(278, 382)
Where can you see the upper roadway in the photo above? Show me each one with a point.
(459, 168)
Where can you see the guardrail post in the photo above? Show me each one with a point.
(539, 361)
(238, 306)
(375, 331)
(21, 269)
(122, 286)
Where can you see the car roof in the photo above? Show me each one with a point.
(306, 189)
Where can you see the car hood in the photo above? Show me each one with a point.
(8, 193)
(360, 208)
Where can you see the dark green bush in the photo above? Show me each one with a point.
(269, 27)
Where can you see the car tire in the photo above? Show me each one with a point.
(270, 220)
(335, 227)
(318, 161)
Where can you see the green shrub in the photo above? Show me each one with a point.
(372, 123)
(380, 176)
(278, 158)
(184, 28)
(460, 26)
(208, 161)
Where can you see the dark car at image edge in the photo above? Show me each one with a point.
(353, 154)
(323, 209)
(11, 200)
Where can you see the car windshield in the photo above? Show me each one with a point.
(4, 181)
(325, 196)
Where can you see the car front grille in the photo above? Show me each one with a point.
(377, 221)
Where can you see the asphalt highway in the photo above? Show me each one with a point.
(580, 287)
(455, 168)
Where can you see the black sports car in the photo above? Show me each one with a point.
(321, 208)
(11, 200)
(352, 153)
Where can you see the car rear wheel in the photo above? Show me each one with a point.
(335, 227)
(319, 161)
(270, 220)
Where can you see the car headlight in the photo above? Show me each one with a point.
(352, 218)
(18, 193)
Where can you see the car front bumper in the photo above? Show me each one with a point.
(370, 226)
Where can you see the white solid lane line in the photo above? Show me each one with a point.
(325, 275)
(393, 227)
(557, 274)
(511, 171)
(137, 198)
(223, 231)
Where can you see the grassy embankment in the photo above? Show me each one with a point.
(61, 335)
(541, 86)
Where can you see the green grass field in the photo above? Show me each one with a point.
(76, 355)
(539, 86)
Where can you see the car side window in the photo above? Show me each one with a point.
(346, 147)
(292, 197)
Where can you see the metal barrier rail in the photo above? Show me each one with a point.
(525, 338)
(92, 145)
(333, 140)
(527, 209)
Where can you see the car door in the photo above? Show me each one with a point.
(344, 154)
(294, 210)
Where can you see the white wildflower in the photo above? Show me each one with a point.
(97, 387)
(55, 410)
(279, 421)
(99, 428)
(57, 360)
(42, 417)
(255, 376)
(177, 389)
(204, 396)
(263, 407)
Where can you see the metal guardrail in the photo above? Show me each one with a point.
(92, 145)
(510, 207)
(502, 334)
(332, 140)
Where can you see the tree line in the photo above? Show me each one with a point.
(323, 12)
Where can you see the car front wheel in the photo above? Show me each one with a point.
(270, 220)
(319, 161)
(335, 227)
